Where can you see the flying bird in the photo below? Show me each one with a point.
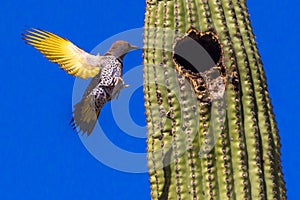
(106, 71)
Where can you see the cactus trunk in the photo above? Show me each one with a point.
(209, 136)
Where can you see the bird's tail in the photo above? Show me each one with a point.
(85, 115)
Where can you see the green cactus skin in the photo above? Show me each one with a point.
(236, 137)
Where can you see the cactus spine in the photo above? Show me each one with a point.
(227, 148)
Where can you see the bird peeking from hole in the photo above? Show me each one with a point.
(105, 71)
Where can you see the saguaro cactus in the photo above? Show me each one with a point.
(211, 129)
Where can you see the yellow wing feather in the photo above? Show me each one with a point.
(71, 58)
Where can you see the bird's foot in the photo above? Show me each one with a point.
(119, 85)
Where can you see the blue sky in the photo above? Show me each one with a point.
(41, 157)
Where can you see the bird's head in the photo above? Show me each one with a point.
(120, 48)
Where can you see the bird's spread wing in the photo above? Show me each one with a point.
(71, 58)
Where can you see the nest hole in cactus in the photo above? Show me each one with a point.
(197, 51)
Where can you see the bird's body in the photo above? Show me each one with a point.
(106, 71)
(102, 88)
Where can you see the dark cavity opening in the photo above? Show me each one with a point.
(197, 53)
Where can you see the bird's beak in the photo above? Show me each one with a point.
(134, 47)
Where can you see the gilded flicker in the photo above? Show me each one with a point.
(106, 70)
(105, 86)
